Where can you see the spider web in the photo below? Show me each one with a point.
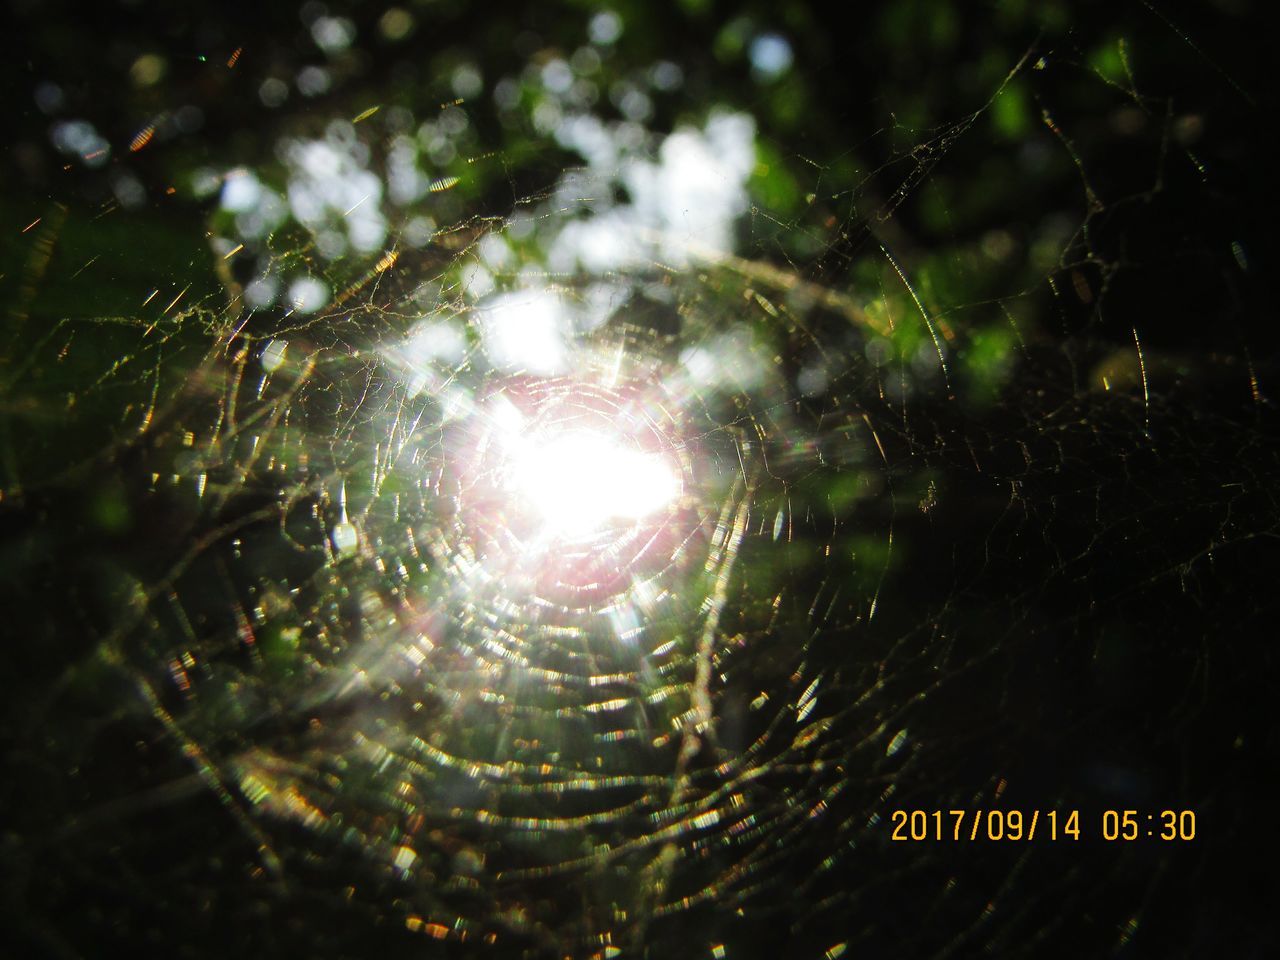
(309, 669)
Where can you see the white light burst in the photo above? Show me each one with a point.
(580, 481)
(568, 491)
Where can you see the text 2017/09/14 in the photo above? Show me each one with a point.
(1015, 825)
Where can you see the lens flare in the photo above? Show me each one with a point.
(569, 493)
(581, 481)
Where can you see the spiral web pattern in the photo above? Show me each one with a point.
(505, 699)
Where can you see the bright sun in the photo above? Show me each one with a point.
(578, 481)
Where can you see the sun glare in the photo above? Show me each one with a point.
(582, 480)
